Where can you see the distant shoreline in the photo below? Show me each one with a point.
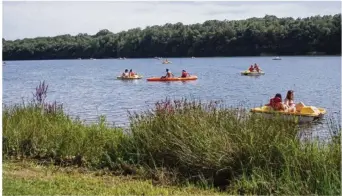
(267, 36)
(136, 58)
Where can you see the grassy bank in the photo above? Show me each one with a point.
(181, 142)
(27, 178)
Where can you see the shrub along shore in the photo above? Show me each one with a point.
(315, 35)
(180, 142)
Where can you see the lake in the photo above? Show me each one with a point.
(88, 88)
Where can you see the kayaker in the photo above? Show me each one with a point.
(289, 102)
(125, 74)
(185, 74)
(251, 69)
(276, 102)
(131, 73)
(168, 74)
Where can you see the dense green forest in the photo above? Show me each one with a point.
(250, 37)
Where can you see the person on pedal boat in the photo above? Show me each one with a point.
(131, 73)
(251, 69)
(125, 74)
(291, 106)
(276, 102)
(256, 67)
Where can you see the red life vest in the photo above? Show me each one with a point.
(275, 103)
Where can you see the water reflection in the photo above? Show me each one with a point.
(136, 81)
(253, 77)
(313, 131)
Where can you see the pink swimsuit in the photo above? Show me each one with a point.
(290, 103)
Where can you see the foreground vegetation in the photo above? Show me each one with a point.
(179, 143)
(28, 178)
(254, 36)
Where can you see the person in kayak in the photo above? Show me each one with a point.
(251, 69)
(276, 102)
(289, 103)
(185, 74)
(125, 74)
(131, 73)
(168, 74)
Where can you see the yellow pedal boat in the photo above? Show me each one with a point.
(307, 113)
(129, 78)
(254, 73)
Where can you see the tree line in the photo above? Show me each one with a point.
(251, 37)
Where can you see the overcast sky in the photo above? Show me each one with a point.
(33, 19)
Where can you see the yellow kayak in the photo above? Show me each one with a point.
(254, 73)
(129, 78)
(307, 113)
(167, 62)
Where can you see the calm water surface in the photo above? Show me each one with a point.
(88, 88)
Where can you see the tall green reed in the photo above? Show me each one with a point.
(224, 147)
